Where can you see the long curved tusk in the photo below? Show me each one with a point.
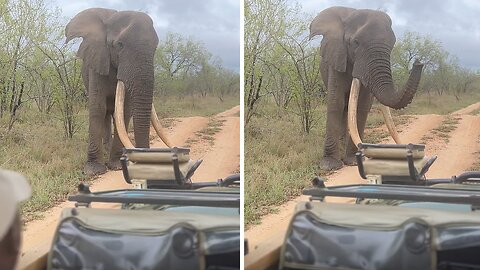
(119, 115)
(158, 128)
(389, 122)
(352, 112)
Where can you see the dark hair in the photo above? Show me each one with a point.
(10, 244)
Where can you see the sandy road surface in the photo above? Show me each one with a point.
(453, 158)
(220, 159)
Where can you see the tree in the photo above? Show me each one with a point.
(184, 67)
(23, 24)
(180, 56)
(68, 76)
(265, 21)
(442, 72)
(307, 82)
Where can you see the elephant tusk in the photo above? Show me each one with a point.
(389, 122)
(352, 112)
(119, 115)
(158, 128)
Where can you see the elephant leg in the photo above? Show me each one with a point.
(336, 91)
(117, 146)
(365, 100)
(97, 112)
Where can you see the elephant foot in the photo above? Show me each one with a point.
(330, 164)
(94, 168)
(350, 161)
(114, 165)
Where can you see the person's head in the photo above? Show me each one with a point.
(13, 189)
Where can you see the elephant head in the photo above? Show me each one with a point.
(360, 42)
(122, 43)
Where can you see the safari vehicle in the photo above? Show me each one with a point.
(165, 222)
(400, 220)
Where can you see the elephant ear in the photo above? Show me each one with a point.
(89, 25)
(330, 24)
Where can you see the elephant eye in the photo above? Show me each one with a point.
(119, 44)
(356, 42)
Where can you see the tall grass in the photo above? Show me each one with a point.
(279, 160)
(37, 148)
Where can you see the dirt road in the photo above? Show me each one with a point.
(221, 155)
(453, 157)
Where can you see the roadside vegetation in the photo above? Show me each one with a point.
(43, 104)
(285, 99)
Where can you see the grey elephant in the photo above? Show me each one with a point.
(355, 50)
(117, 50)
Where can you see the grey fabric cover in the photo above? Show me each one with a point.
(78, 247)
(346, 236)
(136, 239)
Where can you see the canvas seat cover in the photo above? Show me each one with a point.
(392, 153)
(157, 157)
(157, 171)
(350, 236)
(88, 238)
(395, 167)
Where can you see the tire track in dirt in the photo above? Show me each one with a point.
(224, 154)
(38, 234)
(462, 146)
(459, 155)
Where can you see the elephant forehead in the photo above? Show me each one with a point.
(132, 26)
(132, 17)
(367, 17)
(371, 30)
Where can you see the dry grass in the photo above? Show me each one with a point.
(37, 148)
(186, 106)
(443, 131)
(213, 126)
(434, 104)
(280, 161)
(475, 112)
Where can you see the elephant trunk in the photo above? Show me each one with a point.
(142, 98)
(138, 80)
(378, 78)
(139, 84)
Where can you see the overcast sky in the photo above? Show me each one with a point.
(216, 23)
(455, 23)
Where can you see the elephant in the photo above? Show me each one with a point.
(355, 67)
(117, 50)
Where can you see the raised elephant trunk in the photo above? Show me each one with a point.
(352, 116)
(378, 78)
